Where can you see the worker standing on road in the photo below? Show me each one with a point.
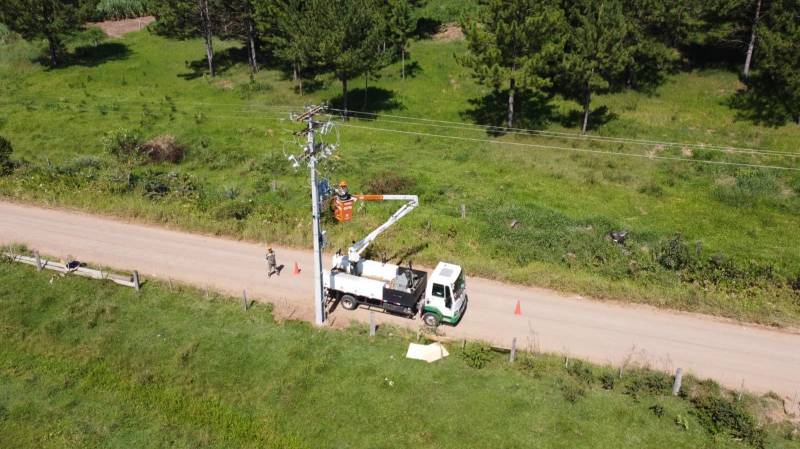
(272, 266)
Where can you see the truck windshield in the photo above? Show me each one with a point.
(460, 285)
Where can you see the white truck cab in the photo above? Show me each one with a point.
(445, 296)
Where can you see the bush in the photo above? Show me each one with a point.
(121, 9)
(123, 144)
(236, 210)
(648, 382)
(163, 149)
(572, 390)
(126, 145)
(582, 372)
(389, 182)
(6, 165)
(476, 355)
(157, 185)
(749, 187)
(720, 415)
(673, 254)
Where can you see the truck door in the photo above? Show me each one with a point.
(448, 299)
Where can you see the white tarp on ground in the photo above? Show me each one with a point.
(429, 353)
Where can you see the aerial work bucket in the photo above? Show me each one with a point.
(342, 203)
(342, 208)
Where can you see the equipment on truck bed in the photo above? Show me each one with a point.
(405, 291)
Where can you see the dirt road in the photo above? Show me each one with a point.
(734, 354)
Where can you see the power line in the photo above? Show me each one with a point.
(557, 134)
(241, 114)
(583, 150)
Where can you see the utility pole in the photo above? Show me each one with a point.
(312, 153)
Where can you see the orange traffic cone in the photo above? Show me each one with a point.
(296, 269)
(517, 309)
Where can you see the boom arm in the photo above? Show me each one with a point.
(355, 251)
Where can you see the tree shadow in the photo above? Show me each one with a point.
(378, 99)
(91, 55)
(426, 28)
(597, 117)
(760, 105)
(532, 110)
(710, 56)
(412, 68)
(224, 60)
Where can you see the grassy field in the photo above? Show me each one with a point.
(711, 238)
(91, 365)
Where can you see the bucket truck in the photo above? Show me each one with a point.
(354, 280)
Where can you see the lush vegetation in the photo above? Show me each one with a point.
(87, 364)
(137, 127)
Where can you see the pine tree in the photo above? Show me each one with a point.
(401, 24)
(776, 76)
(512, 46)
(50, 19)
(190, 18)
(349, 36)
(285, 25)
(596, 54)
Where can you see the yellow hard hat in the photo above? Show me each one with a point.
(342, 183)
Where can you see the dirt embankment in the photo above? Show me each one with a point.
(119, 28)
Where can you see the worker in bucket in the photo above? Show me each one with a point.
(272, 265)
(343, 192)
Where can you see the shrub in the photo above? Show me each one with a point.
(389, 182)
(572, 390)
(6, 165)
(122, 143)
(749, 186)
(608, 380)
(236, 210)
(163, 149)
(476, 355)
(720, 415)
(582, 372)
(674, 254)
(648, 382)
(121, 9)
(157, 185)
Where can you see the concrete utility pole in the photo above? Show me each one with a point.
(312, 154)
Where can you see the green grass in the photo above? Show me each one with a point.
(90, 364)
(744, 219)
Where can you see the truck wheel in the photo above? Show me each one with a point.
(430, 319)
(348, 302)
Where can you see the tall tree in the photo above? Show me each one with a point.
(751, 46)
(596, 54)
(513, 45)
(349, 33)
(237, 21)
(776, 75)
(285, 25)
(190, 18)
(401, 23)
(49, 19)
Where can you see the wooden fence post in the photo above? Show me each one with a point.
(371, 323)
(207, 296)
(170, 284)
(513, 355)
(463, 211)
(136, 283)
(274, 185)
(38, 262)
(676, 386)
(244, 299)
